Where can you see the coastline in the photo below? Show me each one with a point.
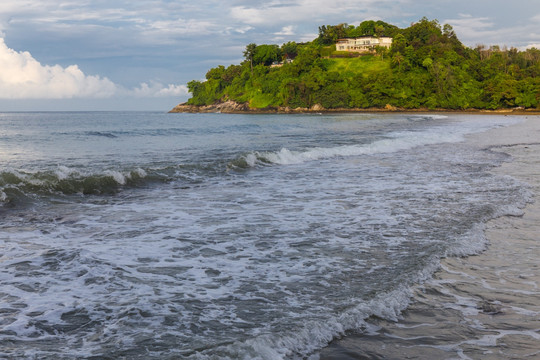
(231, 107)
(485, 306)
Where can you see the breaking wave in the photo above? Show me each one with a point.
(65, 181)
(397, 141)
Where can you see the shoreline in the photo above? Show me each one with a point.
(231, 107)
(485, 306)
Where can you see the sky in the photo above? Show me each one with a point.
(139, 54)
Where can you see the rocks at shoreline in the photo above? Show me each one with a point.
(233, 107)
(225, 107)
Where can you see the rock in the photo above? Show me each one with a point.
(228, 106)
(284, 109)
(184, 107)
(390, 107)
(317, 107)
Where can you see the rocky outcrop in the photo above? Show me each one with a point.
(233, 107)
(224, 107)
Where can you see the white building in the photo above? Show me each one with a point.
(363, 44)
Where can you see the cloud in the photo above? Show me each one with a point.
(473, 26)
(286, 31)
(156, 89)
(167, 30)
(310, 10)
(23, 77)
(471, 30)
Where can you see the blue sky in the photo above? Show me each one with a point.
(139, 54)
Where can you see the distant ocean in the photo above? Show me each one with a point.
(210, 236)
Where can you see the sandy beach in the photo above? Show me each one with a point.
(478, 307)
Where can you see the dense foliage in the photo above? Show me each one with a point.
(426, 67)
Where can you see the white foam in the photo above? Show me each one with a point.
(64, 172)
(425, 117)
(397, 141)
(472, 243)
(141, 172)
(117, 176)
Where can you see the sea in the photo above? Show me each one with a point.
(148, 235)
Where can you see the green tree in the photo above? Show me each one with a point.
(215, 73)
(399, 44)
(289, 50)
(266, 54)
(329, 34)
(249, 53)
(398, 59)
(196, 88)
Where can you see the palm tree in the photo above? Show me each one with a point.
(398, 59)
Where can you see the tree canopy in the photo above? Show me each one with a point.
(426, 67)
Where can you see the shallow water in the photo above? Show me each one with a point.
(148, 235)
(478, 307)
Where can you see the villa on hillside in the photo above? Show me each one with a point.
(363, 44)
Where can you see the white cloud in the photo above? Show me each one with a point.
(472, 26)
(286, 31)
(156, 89)
(239, 30)
(310, 10)
(22, 76)
(179, 27)
(474, 30)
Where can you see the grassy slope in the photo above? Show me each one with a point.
(354, 67)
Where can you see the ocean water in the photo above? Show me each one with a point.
(210, 236)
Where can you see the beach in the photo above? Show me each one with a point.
(478, 307)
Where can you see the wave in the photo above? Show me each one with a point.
(20, 186)
(426, 117)
(100, 133)
(394, 142)
(306, 340)
(391, 143)
(16, 184)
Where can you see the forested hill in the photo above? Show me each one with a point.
(427, 67)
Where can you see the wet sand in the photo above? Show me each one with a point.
(479, 307)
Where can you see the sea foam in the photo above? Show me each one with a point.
(393, 142)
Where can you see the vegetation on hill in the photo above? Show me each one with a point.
(426, 67)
